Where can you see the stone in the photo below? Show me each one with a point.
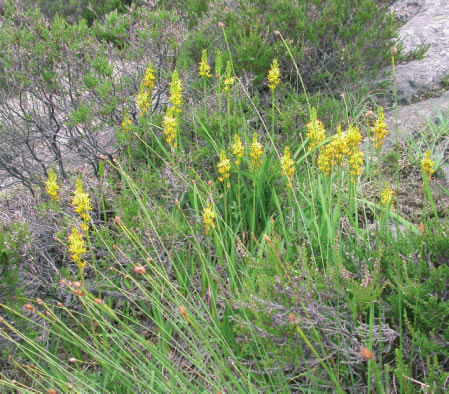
(426, 27)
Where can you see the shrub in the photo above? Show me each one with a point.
(325, 38)
(74, 10)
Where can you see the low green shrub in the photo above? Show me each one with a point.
(12, 245)
(326, 39)
(74, 10)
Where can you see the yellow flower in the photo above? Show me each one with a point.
(237, 149)
(355, 156)
(229, 80)
(334, 153)
(223, 167)
(428, 165)
(126, 125)
(176, 92)
(170, 127)
(386, 196)
(353, 137)
(51, 186)
(144, 97)
(340, 147)
(287, 166)
(379, 129)
(81, 202)
(77, 247)
(208, 218)
(204, 68)
(274, 75)
(355, 164)
(255, 152)
(315, 130)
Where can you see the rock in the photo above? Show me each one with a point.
(427, 26)
(404, 10)
(421, 83)
(414, 117)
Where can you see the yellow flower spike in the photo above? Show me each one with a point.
(379, 130)
(227, 83)
(287, 166)
(203, 67)
(274, 75)
(353, 137)
(255, 152)
(334, 153)
(315, 130)
(325, 159)
(170, 127)
(126, 125)
(208, 218)
(428, 165)
(84, 227)
(77, 247)
(340, 147)
(144, 97)
(355, 164)
(386, 195)
(81, 202)
(237, 149)
(176, 92)
(51, 186)
(223, 167)
(355, 156)
(229, 79)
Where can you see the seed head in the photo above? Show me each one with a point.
(139, 269)
(366, 354)
(183, 311)
(28, 307)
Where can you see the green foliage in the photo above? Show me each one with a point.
(325, 39)
(422, 282)
(286, 276)
(13, 241)
(193, 10)
(114, 29)
(74, 10)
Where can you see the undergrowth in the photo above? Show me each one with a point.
(240, 240)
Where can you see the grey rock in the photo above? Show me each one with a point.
(414, 117)
(427, 23)
(427, 26)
